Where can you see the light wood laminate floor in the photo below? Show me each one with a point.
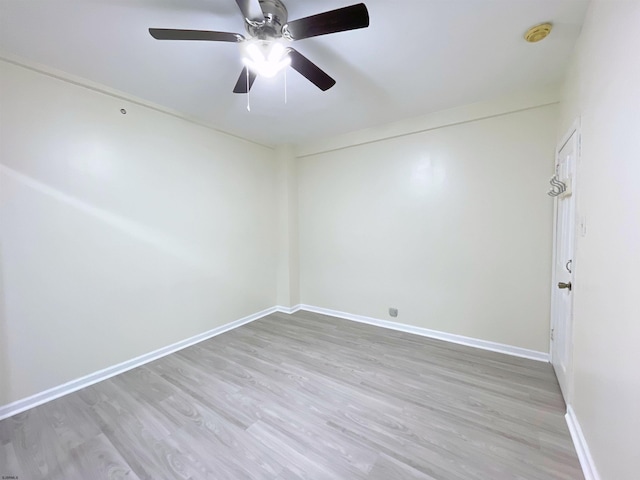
(304, 396)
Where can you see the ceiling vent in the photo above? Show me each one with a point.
(537, 33)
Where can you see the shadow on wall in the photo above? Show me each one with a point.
(5, 371)
(186, 253)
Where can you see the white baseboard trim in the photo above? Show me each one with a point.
(425, 332)
(79, 383)
(288, 310)
(582, 448)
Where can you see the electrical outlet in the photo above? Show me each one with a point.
(393, 312)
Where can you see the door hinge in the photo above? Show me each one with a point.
(552, 334)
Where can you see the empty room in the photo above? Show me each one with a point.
(302, 239)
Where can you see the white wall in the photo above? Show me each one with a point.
(603, 88)
(120, 234)
(451, 226)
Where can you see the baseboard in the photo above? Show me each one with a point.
(79, 383)
(582, 448)
(425, 332)
(288, 310)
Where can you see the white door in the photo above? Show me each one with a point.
(563, 268)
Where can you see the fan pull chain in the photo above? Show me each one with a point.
(285, 86)
(248, 89)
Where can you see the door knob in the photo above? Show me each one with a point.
(564, 285)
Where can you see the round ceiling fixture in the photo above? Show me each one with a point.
(537, 33)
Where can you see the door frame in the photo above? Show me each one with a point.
(573, 130)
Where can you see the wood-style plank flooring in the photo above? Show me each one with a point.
(304, 396)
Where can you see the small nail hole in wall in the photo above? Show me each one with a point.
(123, 111)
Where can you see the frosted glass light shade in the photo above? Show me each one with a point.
(266, 58)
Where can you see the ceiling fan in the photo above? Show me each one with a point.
(266, 51)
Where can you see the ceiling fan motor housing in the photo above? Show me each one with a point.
(275, 16)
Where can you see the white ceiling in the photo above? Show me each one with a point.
(417, 56)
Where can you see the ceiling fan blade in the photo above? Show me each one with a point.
(310, 70)
(251, 10)
(241, 84)
(340, 20)
(173, 34)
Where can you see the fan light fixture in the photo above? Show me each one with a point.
(266, 58)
